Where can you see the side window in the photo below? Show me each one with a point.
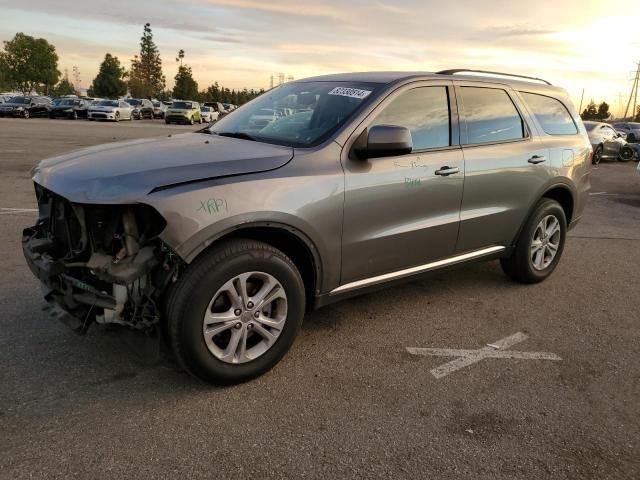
(425, 112)
(608, 132)
(553, 116)
(489, 116)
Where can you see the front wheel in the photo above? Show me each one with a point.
(540, 244)
(74, 116)
(191, 121)
(235, 312)
(26, 114)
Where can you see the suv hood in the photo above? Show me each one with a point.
(125, 172)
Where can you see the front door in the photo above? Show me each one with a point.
(403, 211)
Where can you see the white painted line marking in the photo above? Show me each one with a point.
(16, 211)
(469, 357)
(604, 194)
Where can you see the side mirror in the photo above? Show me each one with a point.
(384, 141)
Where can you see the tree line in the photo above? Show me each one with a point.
(29, 65)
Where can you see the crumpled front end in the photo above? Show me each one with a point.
(99, 263)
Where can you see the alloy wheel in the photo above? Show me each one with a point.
(245, 317)
(545, 242)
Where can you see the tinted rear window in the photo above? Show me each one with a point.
(489, 116)
(553, 116)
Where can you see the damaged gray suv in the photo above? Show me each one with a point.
(315, 191)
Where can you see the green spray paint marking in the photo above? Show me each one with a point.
(213, 206)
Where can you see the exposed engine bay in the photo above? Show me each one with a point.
(100, 263)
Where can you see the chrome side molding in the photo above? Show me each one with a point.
(367, 282)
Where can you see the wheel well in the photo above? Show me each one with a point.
(564, 198)
(292, 246)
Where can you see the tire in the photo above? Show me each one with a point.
(167, 122)
(626, 154)
(116, 117)
(74, 116)
(193, 295)
(520, 266)
(26, 114)
(597, 155)
(52, 117)
(191, 121)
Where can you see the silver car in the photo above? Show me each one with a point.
(607, 143)
(114, 110)
(225, 237)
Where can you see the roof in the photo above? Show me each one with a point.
(394, 77)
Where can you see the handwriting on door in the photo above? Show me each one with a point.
(213, 206)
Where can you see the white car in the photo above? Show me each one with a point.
(209, 114)
(115, 110)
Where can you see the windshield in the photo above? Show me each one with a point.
(634, 125)
(20, 100)
(69, 102)
(107, 103)
(181, 105)
(297, 114)
(205, 109)
(157, 104)
(133, 101)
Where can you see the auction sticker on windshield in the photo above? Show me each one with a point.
(350, 92)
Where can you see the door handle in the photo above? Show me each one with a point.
(536, 159)
(446, 171)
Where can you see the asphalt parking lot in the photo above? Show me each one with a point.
(349, 400)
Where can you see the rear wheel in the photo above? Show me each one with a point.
(597, 155)
(235, 312)
(540, 244)
(626, 154)
(26, 114)
(117, 117)
(191, 121)
(74, 116)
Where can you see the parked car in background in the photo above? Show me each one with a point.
(208, 115)
(229, 107)
(143, 108)
(159, 109)
(115, 110)
(607, 143)
(225, 237)
(630, 129)
(25, 107)
(183, 112)
(72, 108)
(217, 107)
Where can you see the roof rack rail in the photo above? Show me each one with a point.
(461, 70)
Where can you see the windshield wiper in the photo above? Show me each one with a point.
(242, 135)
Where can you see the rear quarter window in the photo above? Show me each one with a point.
(553, 116)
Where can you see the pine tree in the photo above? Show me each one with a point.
(591, 112)
(110, 80)
(146, 79)
(186, 88)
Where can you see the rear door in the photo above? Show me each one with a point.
(399, 212)
(505, 165)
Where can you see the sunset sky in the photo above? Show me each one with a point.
(240, 43)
